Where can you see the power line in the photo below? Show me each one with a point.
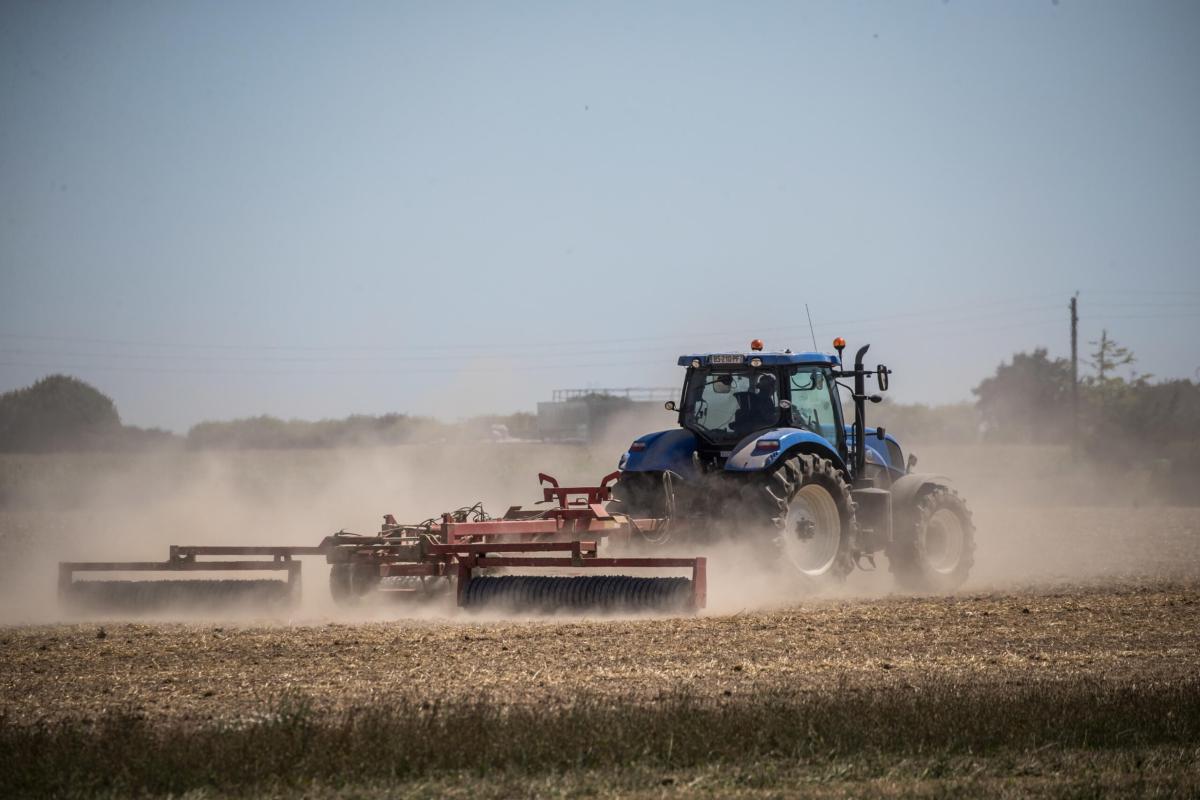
(957, 308)
(564, 358)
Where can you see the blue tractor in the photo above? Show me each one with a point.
(762, 451)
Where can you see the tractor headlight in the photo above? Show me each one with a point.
(756, 362)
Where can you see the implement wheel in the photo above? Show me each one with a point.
(349, 583)
(807, 501)
(934, 543)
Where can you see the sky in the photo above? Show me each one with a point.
(312, 209)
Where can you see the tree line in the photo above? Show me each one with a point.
(1114, 413)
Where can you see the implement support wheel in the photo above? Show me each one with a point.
(349, 583)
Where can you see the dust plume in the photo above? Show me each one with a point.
(1041, 517)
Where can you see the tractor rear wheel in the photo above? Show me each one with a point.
(641, 495)
(934, 542)
(638, 494)
(807, 501)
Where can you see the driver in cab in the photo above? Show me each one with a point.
(761, 406)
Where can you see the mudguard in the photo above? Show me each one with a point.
(664, 450)
(906, 488)
(751, 456)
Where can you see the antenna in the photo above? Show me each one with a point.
(810, 327)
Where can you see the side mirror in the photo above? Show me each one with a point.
(912, 462)
(880, 433)
(881, 377)
(875, 398)
(669, 405)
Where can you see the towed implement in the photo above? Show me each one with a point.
(540, 560)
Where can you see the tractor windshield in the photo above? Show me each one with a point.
(726, 406)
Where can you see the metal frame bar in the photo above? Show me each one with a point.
(182, 558)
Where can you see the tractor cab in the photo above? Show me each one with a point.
(728, 397)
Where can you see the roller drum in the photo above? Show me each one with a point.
(614, 593)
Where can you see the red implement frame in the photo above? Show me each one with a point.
(182, 558)
(568, 533)
(578, 513)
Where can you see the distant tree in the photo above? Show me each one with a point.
(1109, 357)
(1027, 400)
(57, 413)
(269, 433)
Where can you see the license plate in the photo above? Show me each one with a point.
(726, 359)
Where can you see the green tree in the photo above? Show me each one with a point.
(1027, 400)
(57, 413)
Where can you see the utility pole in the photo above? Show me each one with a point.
(1075, 371)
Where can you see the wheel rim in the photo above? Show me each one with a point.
(812, 530)
(944, 541)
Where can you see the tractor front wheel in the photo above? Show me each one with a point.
(934, 545)
(807, 502)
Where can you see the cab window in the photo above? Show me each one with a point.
(813, 402)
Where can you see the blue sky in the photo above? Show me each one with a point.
(212, 210)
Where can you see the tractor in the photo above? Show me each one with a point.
(762, 452)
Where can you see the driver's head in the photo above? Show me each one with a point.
(765, 384)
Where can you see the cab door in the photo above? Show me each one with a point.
(815, 404)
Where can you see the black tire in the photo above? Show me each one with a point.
(339, 583)
(642, 495)
(638, 494)
(349, 583)
(933, 547)
(807, 501)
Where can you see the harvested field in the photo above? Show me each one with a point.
(1006, 692)
(171, 672)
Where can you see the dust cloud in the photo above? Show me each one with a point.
(1041, 518)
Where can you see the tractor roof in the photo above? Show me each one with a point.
(770, 359)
